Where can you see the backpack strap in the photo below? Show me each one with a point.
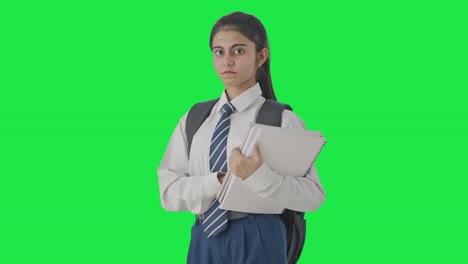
(270, 113)
(195, 118)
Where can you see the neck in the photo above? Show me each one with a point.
(234, 91)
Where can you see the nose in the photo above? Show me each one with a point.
(228, 60)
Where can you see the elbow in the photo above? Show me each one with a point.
(317, 202)
(172, 205)
(313, 202)
(309, 204)
(317, 197)
(167, 206)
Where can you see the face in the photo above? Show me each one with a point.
(235, 60)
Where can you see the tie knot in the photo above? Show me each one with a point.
(228, 108)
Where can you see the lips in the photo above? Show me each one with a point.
(229, 72)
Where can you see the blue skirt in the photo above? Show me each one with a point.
(254, 239)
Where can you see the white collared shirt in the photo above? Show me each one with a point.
(186, 184)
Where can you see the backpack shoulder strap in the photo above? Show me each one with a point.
(195, 118)
(270, 113)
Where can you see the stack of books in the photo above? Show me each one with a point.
(290, 152)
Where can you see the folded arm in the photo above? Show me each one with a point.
(295, 191)
(180, 191)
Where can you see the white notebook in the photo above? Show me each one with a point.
(290, 152)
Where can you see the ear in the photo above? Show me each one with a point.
(262, 57)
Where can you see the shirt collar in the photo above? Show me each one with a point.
(243, 100)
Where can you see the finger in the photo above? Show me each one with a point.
(235, 151)
(256, 150)
(235, 155)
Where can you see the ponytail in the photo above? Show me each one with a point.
(264, 79)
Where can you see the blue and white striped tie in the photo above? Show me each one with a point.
(216, 219)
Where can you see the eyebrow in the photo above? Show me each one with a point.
(235, 45)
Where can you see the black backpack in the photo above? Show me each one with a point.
(270, 114)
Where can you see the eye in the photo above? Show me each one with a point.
(238, 51)
(218, 52)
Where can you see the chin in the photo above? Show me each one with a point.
(230, 83)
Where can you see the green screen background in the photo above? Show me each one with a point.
(90, 92)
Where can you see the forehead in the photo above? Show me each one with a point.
(226, 38)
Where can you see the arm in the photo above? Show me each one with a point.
(299, 193)
(180, 191)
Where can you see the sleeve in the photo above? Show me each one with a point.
(297, 192)
(180, 191)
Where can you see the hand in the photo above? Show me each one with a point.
(221, 176)
(243, 166)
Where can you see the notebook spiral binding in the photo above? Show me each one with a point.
(312, 163)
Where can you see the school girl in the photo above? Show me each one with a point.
(190, 180)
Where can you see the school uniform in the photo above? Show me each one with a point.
(187, 184)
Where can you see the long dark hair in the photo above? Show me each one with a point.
(253, 29)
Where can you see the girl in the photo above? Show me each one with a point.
(190, 180)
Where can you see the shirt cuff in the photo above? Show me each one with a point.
(260, 179)
(211, 185)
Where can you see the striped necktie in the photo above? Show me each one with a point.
(216, 219)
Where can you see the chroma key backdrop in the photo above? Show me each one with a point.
(90, 92)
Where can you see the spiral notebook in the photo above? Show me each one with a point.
(290, 152)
